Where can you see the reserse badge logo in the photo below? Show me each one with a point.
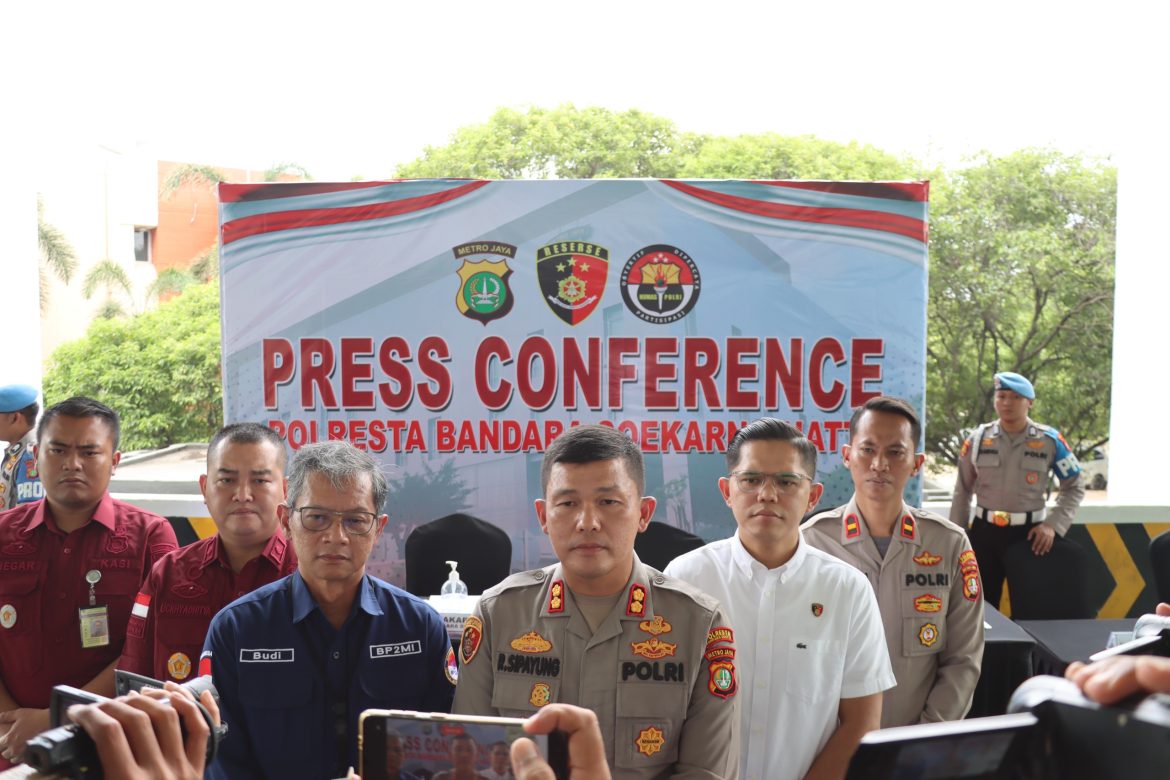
(472, 636)
(572, 278)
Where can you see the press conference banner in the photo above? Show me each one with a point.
(453, 328)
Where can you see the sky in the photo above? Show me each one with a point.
(350, 89)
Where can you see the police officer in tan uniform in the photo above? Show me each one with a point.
(920, 565)
(1006, 464)
(652, 656)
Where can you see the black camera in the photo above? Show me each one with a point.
(1052, 732)
(66, 750)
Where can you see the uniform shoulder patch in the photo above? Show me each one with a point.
(451, 667)
(470, 640)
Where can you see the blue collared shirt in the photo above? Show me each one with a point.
(288, 680)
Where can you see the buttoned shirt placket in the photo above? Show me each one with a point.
(758, 705)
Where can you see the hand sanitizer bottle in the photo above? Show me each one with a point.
(453, 586)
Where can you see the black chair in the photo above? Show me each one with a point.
(1048, 587)
(484, 553)
(661, 543)
(1160, 563)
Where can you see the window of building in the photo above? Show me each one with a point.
(142, 244)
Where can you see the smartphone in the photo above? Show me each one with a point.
(405, 745)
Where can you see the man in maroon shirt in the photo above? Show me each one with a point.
(70, 565)
(243, 486)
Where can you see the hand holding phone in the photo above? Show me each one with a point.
(585, 747)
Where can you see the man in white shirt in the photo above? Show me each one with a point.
(812, 653)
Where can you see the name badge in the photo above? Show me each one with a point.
(267, 656)
(413, 647)
(95, 626)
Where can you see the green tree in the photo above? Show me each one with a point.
(419, 498)
(57, 255)
(1021, 279)
(563, 142)
(772, 156)
(111, 277)
(160, 370)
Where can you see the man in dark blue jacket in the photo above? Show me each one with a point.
(297, 661)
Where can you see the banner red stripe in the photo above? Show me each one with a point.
(858, 218)
(235, 193)
(891, 190)
(303, 218)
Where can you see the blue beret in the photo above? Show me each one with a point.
(13, 398)
(1009, 380)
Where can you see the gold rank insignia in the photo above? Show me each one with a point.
(531, 642)
(928, 603)
(653, 648)
(541, 695)
(656, 626)
(556, 597)
(179, 666)
(650, 740)
(928, 634)
(907, 527)
(852, 527)
(927, 558)
(636, 603)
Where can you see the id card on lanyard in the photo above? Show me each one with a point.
(95, 619)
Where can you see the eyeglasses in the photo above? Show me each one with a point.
(786, 482)
(316, 519)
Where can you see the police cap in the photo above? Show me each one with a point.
(13, 398)
(1009, 380)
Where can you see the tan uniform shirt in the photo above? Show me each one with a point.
(659, 672)
(931, 600)
(1012, 476)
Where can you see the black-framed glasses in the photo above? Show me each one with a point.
(786, 482)
(318, 519)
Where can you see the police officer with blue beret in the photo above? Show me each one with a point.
(19, 483)
(298, 660)
(1006, 464)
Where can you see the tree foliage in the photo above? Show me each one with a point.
(772, 156)
(419, 498)
(111, 277)
(160, 370)
(57, 255)
(563, 142)
(1021, 253)
(1021, 279)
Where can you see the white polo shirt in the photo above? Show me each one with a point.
(807, 634)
